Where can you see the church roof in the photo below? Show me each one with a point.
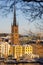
(14, 21)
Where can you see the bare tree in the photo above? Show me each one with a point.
(35, 8)
(34, 0)
(32, 9)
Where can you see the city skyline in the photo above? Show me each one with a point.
(21, 32)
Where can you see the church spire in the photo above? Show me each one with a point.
(14, 21)
(15, 35)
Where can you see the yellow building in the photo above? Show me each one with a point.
(17, 51)
(11, 50)
(27, 49)
(20, 50)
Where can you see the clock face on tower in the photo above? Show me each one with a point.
(16, 36)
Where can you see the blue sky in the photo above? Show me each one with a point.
(5, 22)
(24, 24)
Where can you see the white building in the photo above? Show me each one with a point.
(4, 49)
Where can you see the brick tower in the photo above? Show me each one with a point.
(14, 30)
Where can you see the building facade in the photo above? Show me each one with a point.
(17, 51)
(4, 49)
(27, 49)
(20, 50)
(38, 49)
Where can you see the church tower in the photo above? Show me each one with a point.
(14, 31)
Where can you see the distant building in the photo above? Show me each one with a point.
(0, 39)
(38, 49)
